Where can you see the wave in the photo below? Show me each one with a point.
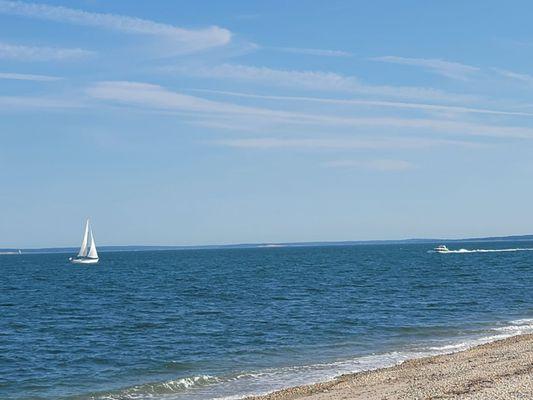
(155, 390)
(260, 382)
(483, 250)
(518, 327)
(512, 328)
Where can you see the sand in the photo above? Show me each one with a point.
(493, 371)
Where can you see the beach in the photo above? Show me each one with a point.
(498, 370)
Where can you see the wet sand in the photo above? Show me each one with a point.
(493, 371)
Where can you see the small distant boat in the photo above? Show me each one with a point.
(87, 254)
(5, 253)
(441, 249)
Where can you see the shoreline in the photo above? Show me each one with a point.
(501, 369)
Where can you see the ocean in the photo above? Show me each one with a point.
(222, 324)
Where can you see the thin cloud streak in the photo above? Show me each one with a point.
(8, 103)
(377, 103)
(189, 39)
(373, 165)
(312, 80)
(28, 77)
(342, 143)
(156, 97)
(314, 52)
(515, 75)
(445, 68)
(35, 53)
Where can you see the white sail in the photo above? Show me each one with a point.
(92, 249)
(83, 248)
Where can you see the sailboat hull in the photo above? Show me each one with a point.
(84, 260)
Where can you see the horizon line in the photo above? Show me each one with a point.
(294, 244)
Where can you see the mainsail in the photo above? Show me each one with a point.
(83, 248)
(92, 249)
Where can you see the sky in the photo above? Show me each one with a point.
(209, 122)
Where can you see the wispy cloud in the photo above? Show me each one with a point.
(314, 52)
(445, 68)
(155, 97)
(374, 103)
(8, 103)
(150, 96)
(525, 78)
(187, 39)
(375, 165)
(34, 53)
(345, 143)
(305, 79)
(28, 77)
(311, 80)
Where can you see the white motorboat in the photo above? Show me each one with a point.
(441, 249)
(87, 253)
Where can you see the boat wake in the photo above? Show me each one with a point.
(260, 382)
(461, 251)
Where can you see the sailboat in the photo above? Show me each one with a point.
(87, 253)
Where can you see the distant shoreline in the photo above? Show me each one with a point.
(501, 369)
(515, 238)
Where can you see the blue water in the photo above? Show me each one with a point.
(199, 324)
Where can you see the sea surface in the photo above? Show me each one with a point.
(206, 324)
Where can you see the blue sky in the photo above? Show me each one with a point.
(204, 122)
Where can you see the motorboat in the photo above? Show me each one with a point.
(441, 249)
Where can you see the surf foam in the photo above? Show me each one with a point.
(254, 383)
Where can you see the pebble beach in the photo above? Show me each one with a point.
(498, 370)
